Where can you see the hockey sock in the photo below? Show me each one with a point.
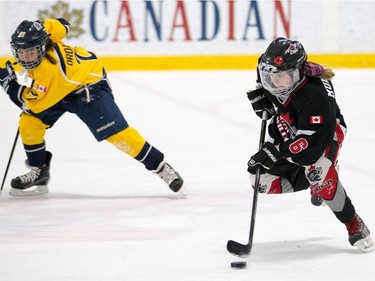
(36, 154)
(133, 144)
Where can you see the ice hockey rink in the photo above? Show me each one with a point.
(108, 218)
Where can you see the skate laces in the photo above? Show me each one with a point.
(167, 173)
(30, 176)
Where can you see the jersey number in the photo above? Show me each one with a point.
(92, 56)
(298, 146)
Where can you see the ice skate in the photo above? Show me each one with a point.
(34, 182)
(359, 234)
(171, 177)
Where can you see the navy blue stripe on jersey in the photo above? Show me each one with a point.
(92, 56)
(66, 24)
(15, 94)
(61, 59)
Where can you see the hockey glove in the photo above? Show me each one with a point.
(264, 159)
(7, 76)
(260, 102)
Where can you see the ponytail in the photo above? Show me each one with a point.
(49, 46)
(317, 70)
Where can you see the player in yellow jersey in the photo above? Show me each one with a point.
(67, 79)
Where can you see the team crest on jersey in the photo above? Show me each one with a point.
(284, 125)
(31, 95)
(41, 88)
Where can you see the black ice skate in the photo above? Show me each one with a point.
(34, 182)
(170, 176)
(359, 234)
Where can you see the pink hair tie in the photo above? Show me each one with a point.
(313, 69)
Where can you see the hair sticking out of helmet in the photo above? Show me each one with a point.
(313, 69)
(317, 70)
(29, 43)
(281, 67)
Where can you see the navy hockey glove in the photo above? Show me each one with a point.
(7, 76)
(264, 159)
(260, 102)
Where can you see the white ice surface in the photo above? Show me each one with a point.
(107, 218)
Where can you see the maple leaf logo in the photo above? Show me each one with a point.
(287, 118)
(61, 10)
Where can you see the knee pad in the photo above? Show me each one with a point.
(32, 129)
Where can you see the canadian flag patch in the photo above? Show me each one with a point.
(316, 119)
(41, 88)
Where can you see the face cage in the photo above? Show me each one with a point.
(40, 52)
(282, 93)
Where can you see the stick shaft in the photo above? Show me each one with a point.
(10, 159)
(234, 247)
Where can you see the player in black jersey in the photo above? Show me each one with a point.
(305, 133)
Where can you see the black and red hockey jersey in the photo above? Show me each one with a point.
(309, 123)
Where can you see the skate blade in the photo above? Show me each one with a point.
(365, 245)
(183, 191)
(31, 191)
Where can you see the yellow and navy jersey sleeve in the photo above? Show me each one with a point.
(73, 67)
(57, 28)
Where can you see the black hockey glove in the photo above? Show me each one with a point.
(260, 102)
(7, 76)
(264, 159)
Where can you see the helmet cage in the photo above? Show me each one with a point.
(32, 56)
(267, 72)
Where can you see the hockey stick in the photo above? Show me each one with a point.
(10, 160)
(234, 247)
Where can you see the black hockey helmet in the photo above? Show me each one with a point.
(31, 38)
(282, 56)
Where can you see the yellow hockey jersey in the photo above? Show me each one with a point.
(74, 68)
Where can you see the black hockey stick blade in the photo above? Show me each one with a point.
(238, 249)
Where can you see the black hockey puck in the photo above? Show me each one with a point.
(238, 264)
